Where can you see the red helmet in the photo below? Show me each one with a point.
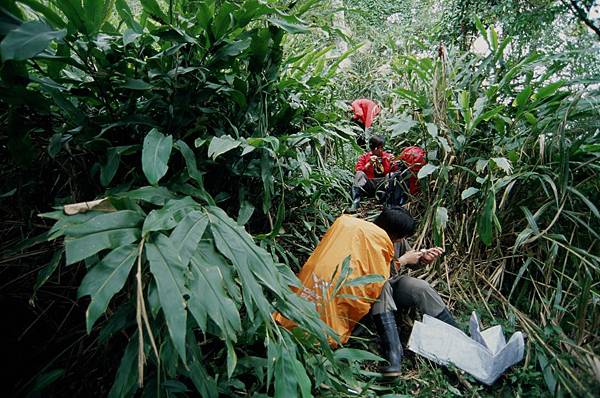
(414, 157)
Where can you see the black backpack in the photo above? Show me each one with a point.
(397, 187)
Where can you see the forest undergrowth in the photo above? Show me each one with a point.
(217, 136)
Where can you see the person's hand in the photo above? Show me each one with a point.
(410, 257)
(429, 255)
(371, 162)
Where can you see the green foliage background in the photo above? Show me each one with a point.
(218, 132)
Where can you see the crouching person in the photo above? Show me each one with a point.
(402, 290)
(373, 169)
(370, 248)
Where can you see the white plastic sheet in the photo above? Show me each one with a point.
(485, 355)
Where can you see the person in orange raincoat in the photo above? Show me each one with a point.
(370, 248)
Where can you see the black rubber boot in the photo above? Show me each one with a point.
(355, 192)
(391, 348)
(445, 316)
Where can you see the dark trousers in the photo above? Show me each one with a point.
(406, 291)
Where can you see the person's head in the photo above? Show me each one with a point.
(397, 222)
(376, 145)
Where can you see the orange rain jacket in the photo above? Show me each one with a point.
(370, 250)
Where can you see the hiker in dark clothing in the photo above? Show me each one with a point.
(403, 290)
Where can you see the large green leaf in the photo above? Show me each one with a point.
(245, 212)
(28, 40)
(127, 16)
(63, 221)
(401, 126)
(441, 217)
(190, 160)
(125, 383)
(170, 274)
(73, 10)
(45, 273)
(105, 222)
(187, 234)
(289, 23)
(155, 155)
(87, 234)
(465, 109)
(250, 261)
(170, 215)
(439, 225)
(467, 193)
(503, 164)
(364, 280)
(252, 9)
(356, 355)
(549, 89)
(223, 20)
(231, 358)
(50, 15)
(155, 195)
(109, 169)
(485, 219)
(426, 170)
(96, 13)
(585, 200)
(232, 49)
(220, 145)
(521, 98)
(291, 379)
(205, 385)
(153, 8)
(204, 14)
(78, 249)
(547, 371)
(66, 105)
(105, 279)
(207, 292)
(41, 382)
(137, 84)
(254, 264)
(266, 175)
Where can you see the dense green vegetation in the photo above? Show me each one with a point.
(218, 130)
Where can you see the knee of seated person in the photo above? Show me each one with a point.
(420, 286)
(423, 291)
(360, 179)
(427, 300)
